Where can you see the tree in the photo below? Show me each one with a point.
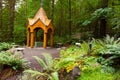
(70, 22)
(0, 13)
(12, 16)
(103, 21)
(52, 13)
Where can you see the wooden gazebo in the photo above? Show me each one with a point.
(40, 21)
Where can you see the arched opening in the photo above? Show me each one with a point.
(39, 37)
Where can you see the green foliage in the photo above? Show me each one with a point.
(90, 65)
(41, 62)
(54, 76)
(5, 46)
(116, 26)
(116, 23)
(10, 60)
(95, 74)
(19, 34)
(48, 68)
(26, 9)
(64, 62)
(108, 46)
(99, 13)
(115, 19)
(74, 51)
(84, 48)
(117, 75)
(109, 49)
(74, 56)
(58, 39)
(35, 74)
(63, 40)
(48, 64)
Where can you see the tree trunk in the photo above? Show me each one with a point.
(103, 21)
(103, 27)
(69, 17)
(60, 19)
(12, 16)
(52, 14)
(1, 19)
(0, 13)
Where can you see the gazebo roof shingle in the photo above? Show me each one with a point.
(40, 15)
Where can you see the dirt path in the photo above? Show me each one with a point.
(29, 52)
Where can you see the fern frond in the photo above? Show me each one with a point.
(35, 73)
(62, 63)
(41, 62)
(48, 59)
(54, 76)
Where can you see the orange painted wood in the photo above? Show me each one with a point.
(39, 21)
(28, 38)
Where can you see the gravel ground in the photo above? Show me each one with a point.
(30, 52)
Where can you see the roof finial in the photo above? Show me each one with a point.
(42, 1)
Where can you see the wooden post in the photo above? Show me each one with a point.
(45, 40)
(32, 40)
(28, 38)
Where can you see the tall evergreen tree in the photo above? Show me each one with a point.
(12, 16)
(52, 13)
(0, 13)
(70, 22)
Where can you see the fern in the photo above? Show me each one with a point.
(109, 49)
(84, 48)
(54, 76)
(49, 60)
(35, 73)
(41, 62)
(63, 62)
(10, 60)
(49, 71)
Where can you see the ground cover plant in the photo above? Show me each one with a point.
(108, 50)
(74, 63)
(11, 64)
(92, 69)
(98, 64)
(5, 46)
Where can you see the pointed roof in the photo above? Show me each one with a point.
(41, 14)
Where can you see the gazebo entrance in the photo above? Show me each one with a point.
(39, 37)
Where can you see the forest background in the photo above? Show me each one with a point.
(90, 18)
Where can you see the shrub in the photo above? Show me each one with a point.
(95, 73)
(108, 49)
(5, 46)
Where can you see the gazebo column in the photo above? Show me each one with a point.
(28, 38)
(32, 40)
(45, 40)
(51, 39)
